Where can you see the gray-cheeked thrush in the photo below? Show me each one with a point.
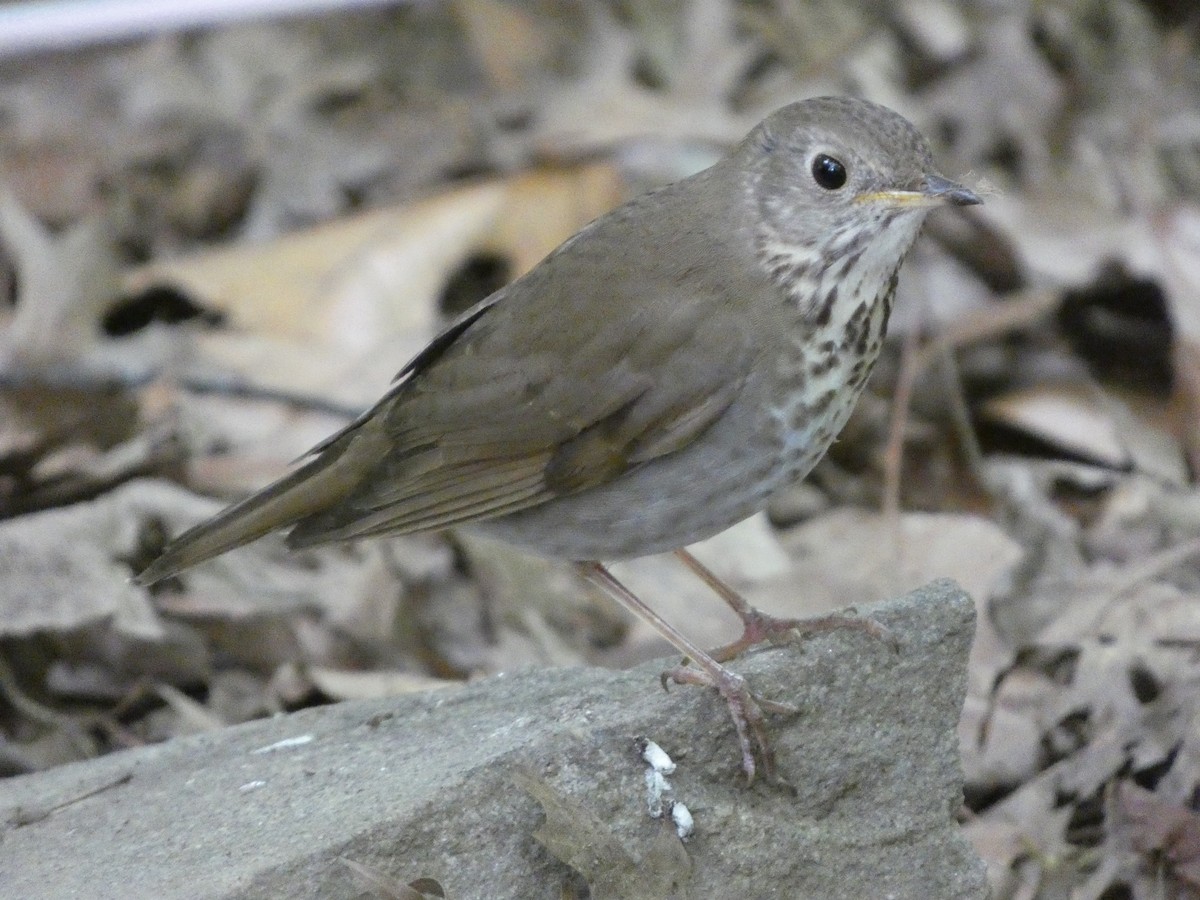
(648, 384)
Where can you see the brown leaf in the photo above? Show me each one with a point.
(1070, 416)
(1186, 398)
(510, 43)
(1157, 826)
(64, 284)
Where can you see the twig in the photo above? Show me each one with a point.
(224, 386)
(21, 816)
(1018, 310)
(893, 456)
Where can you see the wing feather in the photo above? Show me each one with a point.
(602, 370)
(467, 501)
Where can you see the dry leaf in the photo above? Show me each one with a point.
(1161, 827)
(509, 41)
(1068, 416)
(63, 569)
(64, 284)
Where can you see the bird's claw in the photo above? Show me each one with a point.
(745, 709)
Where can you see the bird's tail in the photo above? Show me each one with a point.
(315, 486)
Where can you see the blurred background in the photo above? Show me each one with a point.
(225, 227)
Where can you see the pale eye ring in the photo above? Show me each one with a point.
(828, 172)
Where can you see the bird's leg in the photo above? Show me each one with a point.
(758, 626)
(745, 709)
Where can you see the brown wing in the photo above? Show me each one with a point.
(512, 411)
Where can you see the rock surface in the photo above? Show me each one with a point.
(442, 786)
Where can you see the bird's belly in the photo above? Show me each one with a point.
(634, 516)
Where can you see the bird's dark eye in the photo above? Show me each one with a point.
(828, 172)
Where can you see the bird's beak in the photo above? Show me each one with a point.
(934, 191)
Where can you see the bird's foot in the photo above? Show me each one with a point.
(746, 710)
(759, 627)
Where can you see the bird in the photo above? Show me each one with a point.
(648, 384)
